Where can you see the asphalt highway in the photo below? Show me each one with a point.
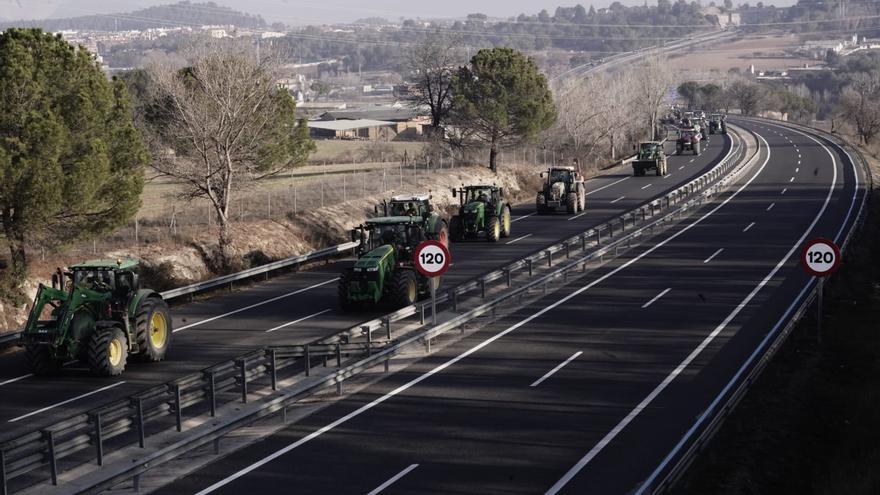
(596, 388)
(301, 307)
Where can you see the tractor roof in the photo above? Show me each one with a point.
(571, 169)
(107, 264)
(393, 220)
(650, 142)
(411, 197)
(476, 186)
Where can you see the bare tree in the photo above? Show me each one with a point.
(860, 104)
(433, 63)
(747, 95)
(223, 122)
(653, 81)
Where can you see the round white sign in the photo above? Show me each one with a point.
(820, 257)
(431, 258)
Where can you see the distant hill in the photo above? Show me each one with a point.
(174, 15)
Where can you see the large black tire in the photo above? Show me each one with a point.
(153, 329)
(107, 351)
(493, 229)
(505, 222)
(697, 148)
(571, 203)
(342, 291)
(582, 200)
(456, 230)
(404, 288)
(41, 361)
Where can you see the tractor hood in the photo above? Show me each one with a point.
(474, 207)
(393, 220)
(374, 258)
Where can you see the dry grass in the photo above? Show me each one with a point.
(766, 52)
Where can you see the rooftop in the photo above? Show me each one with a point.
(346, 125)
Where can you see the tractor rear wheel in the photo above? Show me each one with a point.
(342, 291)
(404, 289)
(107, 351)
(697, 149)
(571, 203)
(505, 222)
(153, 330)
(456, 232)
(493, 229)
(41, 361)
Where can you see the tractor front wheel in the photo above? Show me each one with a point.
(571, 203)
(153, 331)
(41, 361)
(404, 288)
(456, 231)
(493, 229)
(108, 351)
(505, 222)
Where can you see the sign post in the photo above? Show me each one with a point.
(820, 258)
(432, 259)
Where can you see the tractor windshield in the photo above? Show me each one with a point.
(405, 209)
(100, 280)
(559, 175)
(394, 235)
(687, 134)
(479, 194)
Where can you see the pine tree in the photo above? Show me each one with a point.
(71, 161)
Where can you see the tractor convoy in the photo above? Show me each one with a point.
(101, 318)
(482, 211)
(564, 187)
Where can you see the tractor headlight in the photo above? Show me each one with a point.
(358, 269)
(373, 269)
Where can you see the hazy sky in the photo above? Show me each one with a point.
(311, 11)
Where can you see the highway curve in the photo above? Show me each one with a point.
(301, 307)
(596, 388)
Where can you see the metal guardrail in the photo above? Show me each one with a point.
(701, 440)
(198, 287)
(161, 408)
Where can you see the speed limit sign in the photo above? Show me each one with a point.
(432, 258)
(820, 257)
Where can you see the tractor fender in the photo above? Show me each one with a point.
(140, 295)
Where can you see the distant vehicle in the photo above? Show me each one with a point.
(688, 140)
(482, 210)
(564, 187)
(651, 157)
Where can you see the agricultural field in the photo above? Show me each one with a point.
(766, 52)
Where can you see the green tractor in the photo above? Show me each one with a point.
(564, 187)
(417, 205)
(482, 209)
(651, 157)
(385, 271)
(717, 124)
(101, 318)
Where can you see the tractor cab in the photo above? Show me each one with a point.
(409, 205)
(119, 276)
(403, 233)
(649, 150)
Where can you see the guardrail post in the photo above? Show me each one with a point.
(529, 261)
(598, 236)
(482, 288)
(454, 297)
(136, 483)
(242, 363)
(549, 258)
(369, 342)
(422, 314)
(139, 420)
(308, 352)
(507, 276)
(387, 322)
(212, 392)
(567, 250)
(99, 438)
(3, 490)
(584, 242)
(273, 364)
(49, 435)
(611, 230)
(178, 414)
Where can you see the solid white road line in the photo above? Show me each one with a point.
(681, 167)
(518, 239)
(699, 349)
(658, 296)
(645, 187)
(393, 480)
(294, 322)
(578, 215)
(267, 301)
(618, 199)
(607, 186)
(771, 206)
(760, 348)
(749, 226)
(524, 216)
(783, 190)
(433, 371)
(53, 406)
(710, 258)
(557, 368)
(12, 380)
